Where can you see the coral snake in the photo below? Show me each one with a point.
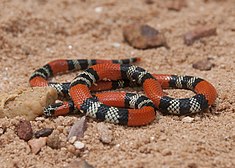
(99, 75)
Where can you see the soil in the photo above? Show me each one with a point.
(33, 33)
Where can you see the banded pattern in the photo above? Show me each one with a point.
(184, 82)
(41, 75)
(167, 104)
(120, 99)
(206, 93)
(83, 100)
(122, 76)
(94, 108)
(152, 88)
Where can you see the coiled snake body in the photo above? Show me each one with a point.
(112, 74)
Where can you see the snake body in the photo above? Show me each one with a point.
(121, 74)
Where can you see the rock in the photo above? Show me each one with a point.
(71, 148)
(54, 140)
(149, 2)
(187, 119)
(37, 144)
(40, 119)
(143, 36)
(79, 145)
(99, 9)
(79, 163)
(2, 130)
(166, 152)
(28, 102)
(203, 65)
(105, 133)
(116, 45)
(163, 137)
(61, 129)
(72, 139)
(43, 132)
(24, 130)
(176, 5)
(199, 32)
(78, 128)
(192, 165)
(197, 118)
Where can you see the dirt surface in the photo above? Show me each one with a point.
(33, 33)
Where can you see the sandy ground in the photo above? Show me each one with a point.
(33, 33)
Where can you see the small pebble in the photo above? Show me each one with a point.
(71, 148)
(116, 45)
(70, 46)
(187, 119)
(192, 165)
(199, 32)
(203, 65)
(37, 144)
(149, 2)
(2, 130)
(98, 9)
(24, 130)
(79, 145)
(43, 132)
(143, 36)
(105, 133)
(58, 101)
(166, 152)
(117, 146)
(78, 128)
(54, 140)
(176, 5)
(176, 118)
(80, 163)
(197, 118)
(60, 128)
(72, 139)
(163, 137)
(40, 119)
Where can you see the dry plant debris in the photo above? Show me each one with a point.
(199, 32)
(78, 128)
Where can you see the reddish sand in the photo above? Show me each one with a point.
(33, 33)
